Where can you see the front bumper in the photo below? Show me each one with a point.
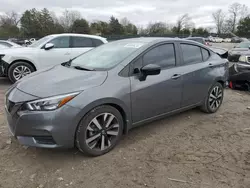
(3, 67)
(47, 129)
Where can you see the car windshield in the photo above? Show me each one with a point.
(107, 56)
(243, 45)
(40, 41)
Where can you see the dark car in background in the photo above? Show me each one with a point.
(91, 101)
(239, 74)
(222, 52)
(242, 48)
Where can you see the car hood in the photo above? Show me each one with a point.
(240, 50)
(60, 80)
(18, 50)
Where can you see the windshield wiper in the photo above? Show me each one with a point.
(83, 68)
(67, 63)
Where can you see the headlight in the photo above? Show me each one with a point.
(243, 58)
(51, 103)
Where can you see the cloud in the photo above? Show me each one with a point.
(139, 12)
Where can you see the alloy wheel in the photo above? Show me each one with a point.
(102, 131)
(21, 71)
(215, 98)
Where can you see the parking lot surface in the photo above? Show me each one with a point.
(191, 149)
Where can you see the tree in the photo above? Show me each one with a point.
(234, 10)
(115, 27)
(81, 26)
(218, 17)
(244, 27)
(129, 28)
(183, 22)
(8, 24)
(157, 28)
(68, 18)
(199, 31)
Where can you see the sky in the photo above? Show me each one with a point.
(140, 12)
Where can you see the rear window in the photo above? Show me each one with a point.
(97, 42)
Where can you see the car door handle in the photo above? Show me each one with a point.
(176, 76)
(67, 53)
(210, 65)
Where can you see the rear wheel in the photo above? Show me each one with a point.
(18, 70)
(214, 99)
(99, 131)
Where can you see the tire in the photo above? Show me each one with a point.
(20, 65)
(87, 128)
(208, 105)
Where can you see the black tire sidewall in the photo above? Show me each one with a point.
(13, 66)
(210, 110)
(81, 130)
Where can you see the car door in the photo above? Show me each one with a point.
(58, 54)
(157, 94)
(80, 45)
(195, 72)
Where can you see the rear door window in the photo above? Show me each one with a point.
(191, 54)
(81, 42)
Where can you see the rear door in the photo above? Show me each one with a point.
(80, 45)
(196, 72)
(157, 94)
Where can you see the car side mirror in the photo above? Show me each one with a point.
(149, 70)
(48, 46)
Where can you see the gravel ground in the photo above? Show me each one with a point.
(191, 149)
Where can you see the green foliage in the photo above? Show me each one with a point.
(244, 27)
(115, 28)
(199, 31)
(81, 26)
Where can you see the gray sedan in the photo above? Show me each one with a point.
(92, 100)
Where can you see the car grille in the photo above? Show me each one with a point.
(248, 59)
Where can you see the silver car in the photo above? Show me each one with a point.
(91, 101)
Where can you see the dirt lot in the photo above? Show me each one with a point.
(191, 149)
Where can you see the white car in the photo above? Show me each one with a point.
(218, 39)
(46, 52)
(8, 44)
(227, 40)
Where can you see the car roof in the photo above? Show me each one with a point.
(195, 38)
(154, 39)
(80, 35)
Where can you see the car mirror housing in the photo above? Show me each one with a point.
(150, 69)
(48, 46)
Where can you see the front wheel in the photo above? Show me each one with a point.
(99, 131)
(18, 70)
(214, 99)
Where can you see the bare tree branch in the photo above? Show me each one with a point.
(219, 17)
